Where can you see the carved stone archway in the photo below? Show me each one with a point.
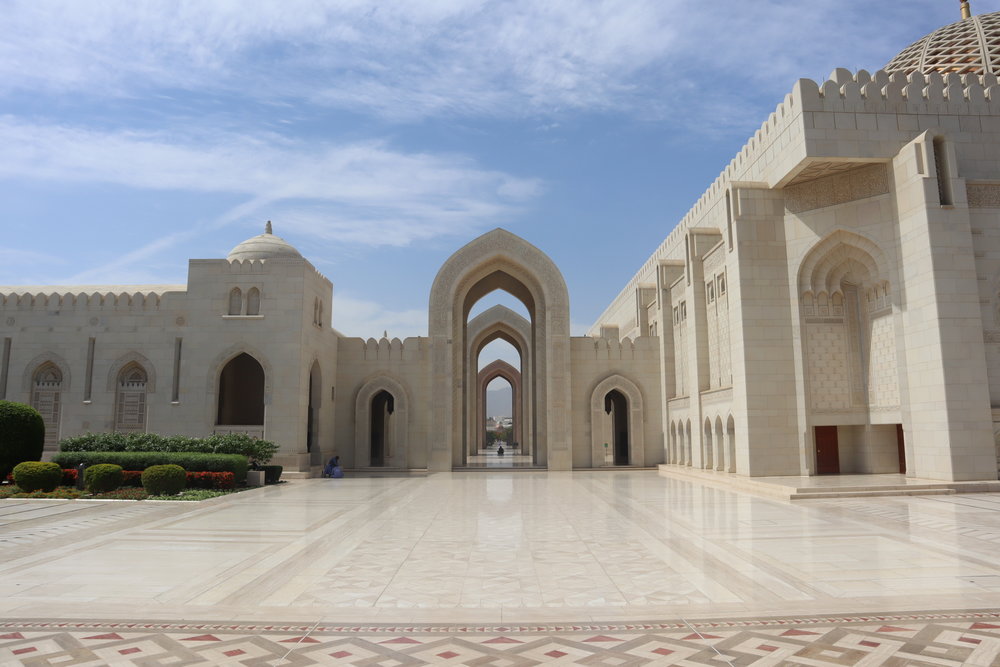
(500, 260)
(399, 425)
(600, 424)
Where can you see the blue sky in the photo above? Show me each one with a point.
(381, 137)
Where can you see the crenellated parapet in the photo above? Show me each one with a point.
(107, 298)
(851, 104)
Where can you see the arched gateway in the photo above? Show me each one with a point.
(500, 260)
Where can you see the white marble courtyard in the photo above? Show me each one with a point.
(496, 548)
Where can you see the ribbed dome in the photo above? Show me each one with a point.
(263, 246)
(971, 46)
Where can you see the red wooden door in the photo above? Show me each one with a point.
(827, 452)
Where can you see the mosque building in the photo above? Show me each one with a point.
(831, 304)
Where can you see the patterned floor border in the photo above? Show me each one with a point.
(928, 639)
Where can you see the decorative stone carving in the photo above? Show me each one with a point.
(860, 183)
(983, 195)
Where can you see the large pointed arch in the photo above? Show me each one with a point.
(369, 389)
(599, 424)
(500, 260)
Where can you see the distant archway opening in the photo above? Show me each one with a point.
(382, 407)
(241, 392)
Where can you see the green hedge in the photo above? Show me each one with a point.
(233, 463)
(22, 435)
(36, 476)
(231, 443)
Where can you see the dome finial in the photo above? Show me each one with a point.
(267, 228)
(966, 11)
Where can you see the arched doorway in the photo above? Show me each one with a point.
(380, 432)
(241, 392)
(313, 415)
(616, 420)
(616, 405)
(382, 424)
(706, 446)
(499, 260)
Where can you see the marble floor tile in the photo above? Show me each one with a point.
(503, 547)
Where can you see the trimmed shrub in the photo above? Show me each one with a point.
(231, 443)
(69, 477)
(22, 435)
(164, 480)
(233, 463)
(103, 477)
(36, 476)
(272, 474)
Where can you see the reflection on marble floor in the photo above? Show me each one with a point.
(499, 547)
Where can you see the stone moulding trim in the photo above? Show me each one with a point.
(716, 396)
(983, 195)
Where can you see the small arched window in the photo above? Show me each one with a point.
(235, 301)
(253, 301)
(130, 399)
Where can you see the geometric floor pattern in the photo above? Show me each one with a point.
(929, 639)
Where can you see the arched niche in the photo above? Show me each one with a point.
(602, 421)
(396, 430)
(499, 260)
(492, 371)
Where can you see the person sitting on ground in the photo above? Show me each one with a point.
(331, 465)
(500, 450)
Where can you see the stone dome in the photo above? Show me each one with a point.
(971, 46)
(263, 246)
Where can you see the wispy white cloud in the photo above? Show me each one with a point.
(353, 316)
(417, 59)
(365, 192)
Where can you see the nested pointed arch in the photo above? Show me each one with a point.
(599, 424)
(36, 365)
(132, 359)
(496, 260)
(498, 322)
(842, 255)
(500, 260)
(367, 391)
